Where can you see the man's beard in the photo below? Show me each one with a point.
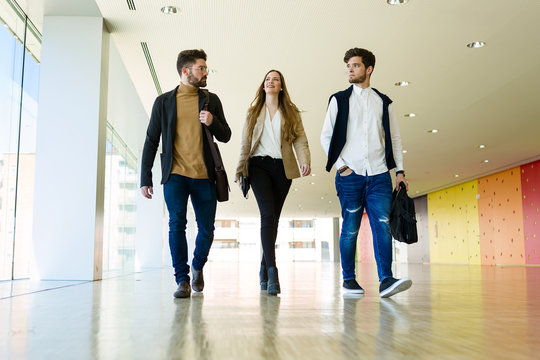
(193, 81)
(358, 80)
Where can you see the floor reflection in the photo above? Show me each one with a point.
(389, 341)
(189, 342)
(350, 339)
(269, 310)
(451, 312)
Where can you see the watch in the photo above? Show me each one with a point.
(343, 169)
(400, 172)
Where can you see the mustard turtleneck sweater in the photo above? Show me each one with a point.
(188, 147)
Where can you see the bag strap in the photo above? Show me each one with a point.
(218, 163)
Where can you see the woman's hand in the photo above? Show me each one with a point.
(306, 169)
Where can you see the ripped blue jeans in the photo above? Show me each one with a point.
(374, 193)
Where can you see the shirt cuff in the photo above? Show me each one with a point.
(339, 163)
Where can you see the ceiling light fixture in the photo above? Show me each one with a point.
(169, 10)
(410, 115)
(486, 161)
(312, 183)
(476, 44)
(481, 146)
(402, 83)
(404, 151)
(433, 131)
(456, 175)
(397, 2)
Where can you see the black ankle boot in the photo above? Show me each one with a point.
(273, 281)
(263, 278)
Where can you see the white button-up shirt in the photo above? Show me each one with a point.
(364, 147)
(270, 143)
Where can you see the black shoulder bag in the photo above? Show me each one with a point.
(222, 184)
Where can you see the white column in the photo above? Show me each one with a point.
(70, 155)
(324, 238)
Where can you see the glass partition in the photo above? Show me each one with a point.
(20, 45)
(121, 187)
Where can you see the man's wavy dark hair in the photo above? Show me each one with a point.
(368, 59)
(187, 58)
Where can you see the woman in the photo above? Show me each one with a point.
(273, 126)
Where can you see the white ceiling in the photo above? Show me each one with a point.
(472, 96)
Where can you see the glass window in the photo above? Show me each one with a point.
(19, 83)
(121, 189)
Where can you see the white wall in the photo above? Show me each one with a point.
(125, 111)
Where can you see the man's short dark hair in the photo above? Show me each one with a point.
(187, 58)
(368, 59)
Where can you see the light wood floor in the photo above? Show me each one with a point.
(451, 312)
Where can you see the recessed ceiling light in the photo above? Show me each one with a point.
(312, 183)
(322, 197)
(433, 131)
(481, 146)
(476, 44)
(486, 161)
(410, 115)
(456, 175)
(312, 174)
(397, 2)
(295, 189)
(404, 151)
(402, 83)
(169, 10)
(417, 191)
(329, 201)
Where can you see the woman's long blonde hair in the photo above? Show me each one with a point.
(289, 112)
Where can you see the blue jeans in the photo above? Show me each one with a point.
(374, 193)
(203, 198)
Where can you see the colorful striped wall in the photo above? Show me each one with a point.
(530, 189)
(453, 225)
(501, 218)
(493, 220)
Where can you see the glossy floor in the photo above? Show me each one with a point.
(451, 312)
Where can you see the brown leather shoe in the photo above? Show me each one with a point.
(198, 281)
(183, 291)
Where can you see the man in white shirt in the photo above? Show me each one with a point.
(360, 135)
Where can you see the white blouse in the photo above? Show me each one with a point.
(270, 144)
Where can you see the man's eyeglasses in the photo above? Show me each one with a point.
(200, 68)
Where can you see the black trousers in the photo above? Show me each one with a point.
(270, 186)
